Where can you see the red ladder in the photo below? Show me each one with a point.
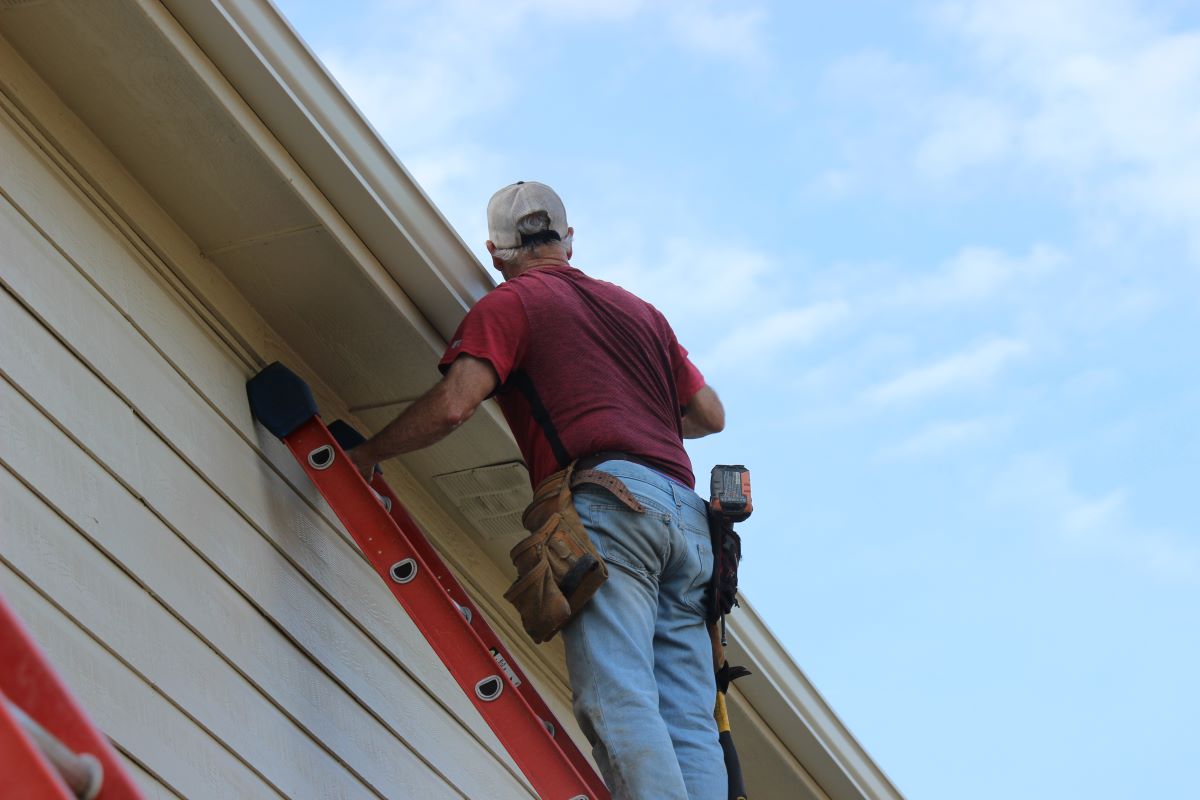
(427, 590)
(43, 730)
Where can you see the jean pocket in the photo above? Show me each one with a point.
(628, 539)
(700, 568)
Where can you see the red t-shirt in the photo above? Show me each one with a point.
(584, 367)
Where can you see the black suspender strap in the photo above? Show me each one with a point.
(521, 381)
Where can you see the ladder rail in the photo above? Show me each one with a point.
(24, 769)
(82, 773)
(414, 583)
(485, 632)
(30, 689)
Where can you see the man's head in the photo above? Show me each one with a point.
(527, 223)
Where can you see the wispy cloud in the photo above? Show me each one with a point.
(689, 277)
(419, 71)
(1083, 517)
(847, 299)
(733, 34)
(1093, 526)
(961, 370)
(967, 131)
(763, 341)
(1094, 91)
(1096, 101)
(973, 275)
(941, 437)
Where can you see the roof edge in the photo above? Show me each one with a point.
(279, 76)
(828, 749)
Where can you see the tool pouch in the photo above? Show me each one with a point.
(535, 593)
(558, 569)
(727, 555)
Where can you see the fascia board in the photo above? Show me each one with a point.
(789, 703)
(282, 80)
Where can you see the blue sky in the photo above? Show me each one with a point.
(942, 262)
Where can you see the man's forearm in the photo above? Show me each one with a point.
(450, 403)
(425, 422)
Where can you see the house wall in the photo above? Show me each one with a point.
(169, 555)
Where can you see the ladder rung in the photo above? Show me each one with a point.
(44, 728)
(82, 773)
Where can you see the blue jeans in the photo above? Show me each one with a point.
(638, 654)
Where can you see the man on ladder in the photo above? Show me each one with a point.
(599, 395)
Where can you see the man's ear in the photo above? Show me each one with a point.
(570, 247)
(491, 248)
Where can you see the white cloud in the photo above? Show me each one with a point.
(1083, 517)
(966, 131)
(688, 278)
(736, 34)
(878, 77)
(1097, 91)
(941, 437)
(422, 71)
(762, 341)
(973, 275)
(1096, 100)
(967, 369)
(1041, 484)
(834, 183)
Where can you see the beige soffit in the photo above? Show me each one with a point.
(282, 80)
(289, 90)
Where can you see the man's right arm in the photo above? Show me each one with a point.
(703, 414)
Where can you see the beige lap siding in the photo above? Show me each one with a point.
(152, 788)
(174, 559)
(139, 721)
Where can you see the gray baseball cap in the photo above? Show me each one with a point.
(518, 200)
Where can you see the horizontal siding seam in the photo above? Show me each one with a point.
(67, 168)
(152, 686)
(332, 528)
(163, 267)
(333, 679)
(144, 767)
(159, 266)
(157, 598)
(246, 517)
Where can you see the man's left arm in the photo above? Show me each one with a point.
(704, 414)
(451, 402)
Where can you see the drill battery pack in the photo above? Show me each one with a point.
(729, 502)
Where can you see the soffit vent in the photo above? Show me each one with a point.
(491, 498)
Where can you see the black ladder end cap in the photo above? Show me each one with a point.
(280, 399)
(347, 437)
(345, 434)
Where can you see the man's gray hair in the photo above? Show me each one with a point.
(531, 225)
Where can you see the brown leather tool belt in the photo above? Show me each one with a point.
(558, 568)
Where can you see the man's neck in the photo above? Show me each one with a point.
(540, 261)
(547, 261)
